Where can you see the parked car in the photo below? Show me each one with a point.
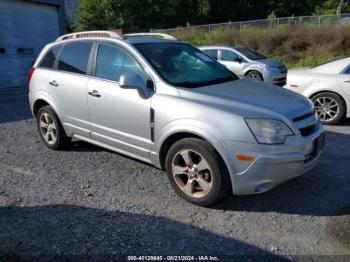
(167, 103)
(248, 63)
(327, 85)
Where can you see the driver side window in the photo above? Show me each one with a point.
(113, 61)
(227, 55)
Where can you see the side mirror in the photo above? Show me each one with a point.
(131, 81)
(239, 60)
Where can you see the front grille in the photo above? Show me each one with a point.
(306, 131)
(280, 79)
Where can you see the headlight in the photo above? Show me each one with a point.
(269, 131)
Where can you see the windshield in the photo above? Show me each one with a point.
(183, 65)
(250, 53)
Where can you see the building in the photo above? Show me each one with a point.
(26, 26)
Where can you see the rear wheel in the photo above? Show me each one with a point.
(50, 129)
(330, 107)
(255, 75)
(196, 172)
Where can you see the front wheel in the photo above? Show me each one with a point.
(196, 172)
(330, 107)
(255, 75)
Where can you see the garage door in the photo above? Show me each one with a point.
(25, 28)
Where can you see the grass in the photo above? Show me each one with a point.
(295, 46)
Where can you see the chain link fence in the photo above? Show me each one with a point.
(333, 20)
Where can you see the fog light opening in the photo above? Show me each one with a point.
(262, 188)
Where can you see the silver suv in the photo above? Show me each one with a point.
(167, 103)
(248, 63)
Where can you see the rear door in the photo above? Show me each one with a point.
(67, 85)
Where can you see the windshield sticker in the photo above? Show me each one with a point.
(204, 57)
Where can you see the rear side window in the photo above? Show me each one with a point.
(212, 53)
(50, 58)
(113, 61)
(74, 57)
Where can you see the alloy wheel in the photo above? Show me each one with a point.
(48, 129)
(192, 173)
(327, 108)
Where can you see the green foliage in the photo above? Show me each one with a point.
(331, 7)
(145, 14)
(98, 14)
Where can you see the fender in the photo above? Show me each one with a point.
(42, 95)
(191, 126)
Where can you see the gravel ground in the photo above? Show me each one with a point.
(90, 201)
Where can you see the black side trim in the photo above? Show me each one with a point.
(296, 119)
(152, 124)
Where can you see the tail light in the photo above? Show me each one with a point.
(30, 74)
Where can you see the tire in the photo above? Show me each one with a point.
(255, 75)
(196, 172)
(330, 107)
(50, 129)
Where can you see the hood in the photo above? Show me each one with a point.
(250, 98)
(270, 62)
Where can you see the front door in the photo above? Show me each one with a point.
(119, 117)
(344, 82)
(232, 61)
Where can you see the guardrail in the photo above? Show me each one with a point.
(321, 20)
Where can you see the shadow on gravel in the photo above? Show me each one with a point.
(74, 230)
(14, 105)
(324, 191)
(82, 146)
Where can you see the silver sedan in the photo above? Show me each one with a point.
(248, 63)
(327, 85)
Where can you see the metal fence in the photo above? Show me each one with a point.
(334, 20)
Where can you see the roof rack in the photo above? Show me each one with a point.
(90, 34)
(165, 36)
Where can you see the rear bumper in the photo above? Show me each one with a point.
(273, 164)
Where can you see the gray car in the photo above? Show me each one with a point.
(167, 103)
(248, 63)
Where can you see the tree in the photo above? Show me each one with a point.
(145, 14)
(97, 15)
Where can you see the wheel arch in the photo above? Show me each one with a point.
(329, 91)
(173, 138)
(254, 69)
(39, 103)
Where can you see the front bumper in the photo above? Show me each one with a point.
(275, 77)
(273, 164)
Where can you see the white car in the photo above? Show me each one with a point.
(327, 85)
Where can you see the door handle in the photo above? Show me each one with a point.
(53, 83)
(94, 93)
(347, 81)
